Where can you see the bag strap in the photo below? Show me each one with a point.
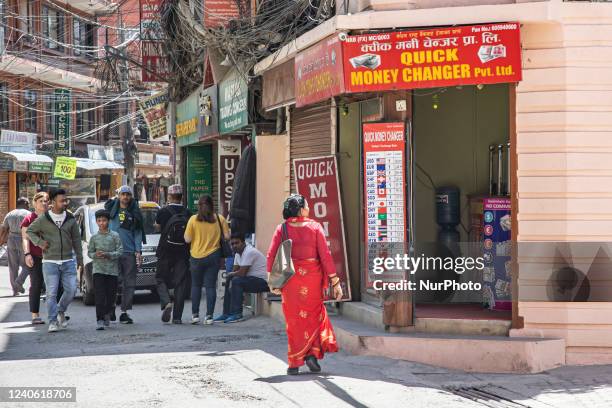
(220, 227)
(285, 232)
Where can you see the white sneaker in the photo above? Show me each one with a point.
(209, 320)
(61, 320)
(53, 327)
(195, 319)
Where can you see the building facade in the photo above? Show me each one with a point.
(552, 126)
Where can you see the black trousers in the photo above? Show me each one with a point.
(37, 283)
(173, 273)
(105, 291)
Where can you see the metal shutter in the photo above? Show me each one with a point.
(310, 133)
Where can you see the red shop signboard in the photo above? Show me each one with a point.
(317, 180)
(436, 57)
(318, 72)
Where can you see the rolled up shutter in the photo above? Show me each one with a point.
(310, 133)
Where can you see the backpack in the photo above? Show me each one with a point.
(174, 231)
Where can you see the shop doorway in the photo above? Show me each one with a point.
(459, 135)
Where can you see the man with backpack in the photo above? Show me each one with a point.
(173, 256)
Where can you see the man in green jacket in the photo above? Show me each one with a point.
(59, 236)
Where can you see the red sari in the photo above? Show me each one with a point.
(309, 331)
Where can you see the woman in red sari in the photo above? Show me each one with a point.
(309, 331)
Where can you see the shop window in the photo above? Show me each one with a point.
(111, 112)
(83, 37)
(85, 118)
(4, 107)
(53, 28)
(31, 114)
(26, 19)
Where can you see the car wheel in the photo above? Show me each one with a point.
(86, 291)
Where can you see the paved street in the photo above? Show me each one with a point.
(150, 364)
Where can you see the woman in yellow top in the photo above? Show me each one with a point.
(203, 232)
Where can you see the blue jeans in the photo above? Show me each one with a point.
(204, 272)
(54, 275)
(235, 288)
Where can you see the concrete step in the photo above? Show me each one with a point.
(466, 327)
(373, 316)
(485, 354)
(473, 353)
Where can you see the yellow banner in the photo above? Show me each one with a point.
(65, 167)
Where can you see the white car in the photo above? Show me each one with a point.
(145, 278)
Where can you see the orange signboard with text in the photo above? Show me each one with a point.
(436, 57)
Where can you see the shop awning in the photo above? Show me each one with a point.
(29, 157)
(92, 164)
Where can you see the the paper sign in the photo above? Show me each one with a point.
(199, 174)
(385, 193)
(317, 180)
(65, 168)
(436, 57)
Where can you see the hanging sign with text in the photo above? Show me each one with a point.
(63, 143)
(318, 72)
(436, 57)
(317, 180)
(229, 155)
(65, 168)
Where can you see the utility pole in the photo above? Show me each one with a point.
(129, 145)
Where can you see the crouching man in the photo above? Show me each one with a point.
(249, 275)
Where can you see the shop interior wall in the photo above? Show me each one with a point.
(451, 145)
(349, 163)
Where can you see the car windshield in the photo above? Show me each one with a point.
(148, 214)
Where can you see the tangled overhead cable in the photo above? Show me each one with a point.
(243, 40)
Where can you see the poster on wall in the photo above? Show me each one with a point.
(80, 191)
(497, 274)
(317, 180)
(199, 174)
(384, 169)
(229, 154)
(153, 110)
(435, 57)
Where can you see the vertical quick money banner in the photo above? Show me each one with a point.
(317, 180)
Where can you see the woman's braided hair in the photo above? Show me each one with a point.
(292, 205)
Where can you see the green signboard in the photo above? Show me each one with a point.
(199, 174)
(233, 103)
(63, 144)
(187, 116)
(40, 167)
(6, 163)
